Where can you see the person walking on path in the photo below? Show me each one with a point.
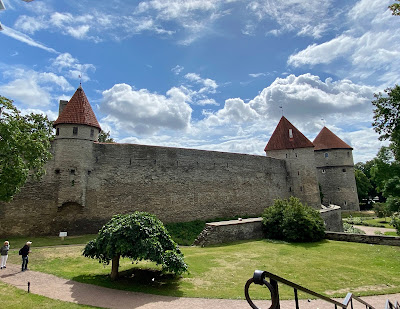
(25, 250)
(4, 254)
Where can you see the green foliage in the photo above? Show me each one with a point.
(387, 117)
(396, 222)
(384, 168)
(290, 220)
(24, 147)
(104, 137)
(185, 233)
(363, 184)
(349, 228)
(393, 203)
(138, 236)
(395, 8)
(382, 210)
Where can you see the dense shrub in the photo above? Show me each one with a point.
(348, 228)
(396, 222)
(290, 220)
(382, 210)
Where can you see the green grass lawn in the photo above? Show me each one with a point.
(13, 298)
(384, 222)
(328, 267)
(40, 241)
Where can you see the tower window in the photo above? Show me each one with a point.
(298, 173)
(345, 203)
(75, 130)
(290, 133)
(348, 153)
(301, 188)
(326, 154)
(323, 171)
(286, 156)
(72, 172)
(344, 170)
(58, 131)
(295, 155)
(91, 132)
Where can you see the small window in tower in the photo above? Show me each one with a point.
(91, 132)
(344, 170)
(286, 156)
(298, 173)
(295, 155)
(326, 154)
(301, 188)
(57, 171)
(338, 188)
(323, 171)
(290, 133)
(345, 203)
(75, 130)
(58, 131)
(348, 153)
(290, 189)
(72, 172)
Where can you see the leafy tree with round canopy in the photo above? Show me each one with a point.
(138, 236)
(24, 147)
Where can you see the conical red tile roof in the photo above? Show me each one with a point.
(328, 140)
(280, 139)
(78, 111)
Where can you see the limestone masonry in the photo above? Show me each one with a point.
(87, 182)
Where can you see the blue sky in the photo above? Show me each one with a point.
(205, 74)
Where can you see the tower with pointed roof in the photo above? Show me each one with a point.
(76, 130)
(335, 170)
(289, 144)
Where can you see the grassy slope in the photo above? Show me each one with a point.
(328, 267)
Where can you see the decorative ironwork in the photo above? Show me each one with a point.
(260, 278)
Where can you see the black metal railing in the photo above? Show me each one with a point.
(389, 305)
(260, 277)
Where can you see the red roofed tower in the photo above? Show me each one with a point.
(289, 144)
(76, 130)
(335, 170)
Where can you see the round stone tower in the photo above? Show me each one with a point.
(335, 169)
(289, 144)
(76, 130)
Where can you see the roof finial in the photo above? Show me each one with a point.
(80, 80)
(281, 107)
(323, 121)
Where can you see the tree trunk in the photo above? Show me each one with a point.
(114, 267)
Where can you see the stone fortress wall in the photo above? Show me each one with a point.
(88, 182)
(84, 187)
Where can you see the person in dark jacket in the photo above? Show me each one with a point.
(25, 250)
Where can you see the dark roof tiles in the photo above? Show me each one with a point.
(328, 140)
(280, 139)
(78, 111)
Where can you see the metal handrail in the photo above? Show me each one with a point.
(259, 277)
(389, 305)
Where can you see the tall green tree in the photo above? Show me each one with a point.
(395, 8)
(385, 167)
(24, 147)
(138, 236)
(387, 117)
(363, 185)
(104, 137)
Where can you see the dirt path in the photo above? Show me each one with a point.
(370, 230)
(71, 291)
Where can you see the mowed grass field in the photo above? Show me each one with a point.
(328, 267)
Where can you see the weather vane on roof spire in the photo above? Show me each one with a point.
(80, 80)
(281, 107)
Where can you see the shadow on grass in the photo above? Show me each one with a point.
(138, 280)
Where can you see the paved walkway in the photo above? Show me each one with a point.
(370, 230)
(71, 291)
